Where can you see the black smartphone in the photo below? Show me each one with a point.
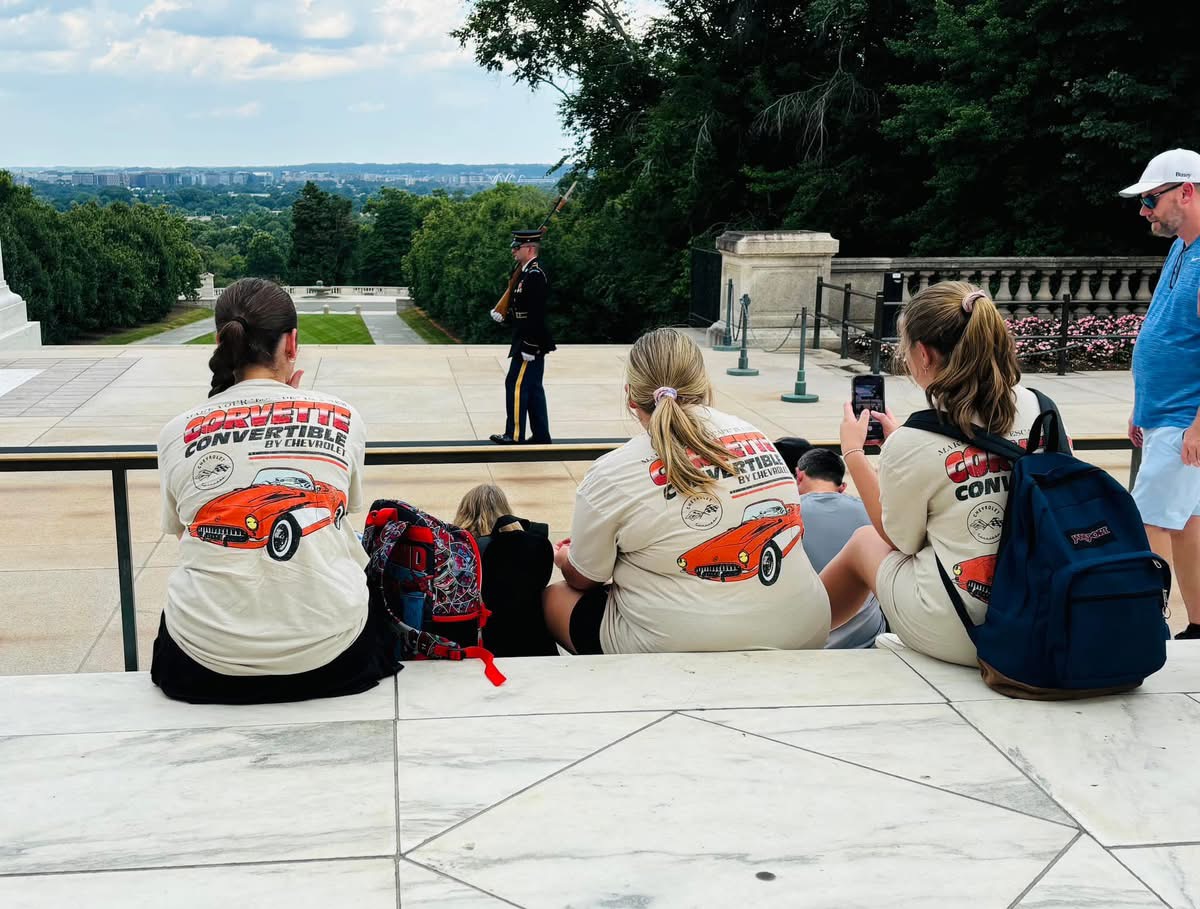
(866, 393)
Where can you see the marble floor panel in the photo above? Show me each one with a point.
(1181, 674)
(91, 802)
(1087, 876)
(446, 777)
(1173, 872)
(690, 832)
(128, 702)
(423, 888)
(926, 743)
(681, 681)
(760, 779)
(361, 883)
(1131, 794)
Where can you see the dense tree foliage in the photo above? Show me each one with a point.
(392, 217)
(922, 127)
(95, 266)
(324, 238)
(460, 260)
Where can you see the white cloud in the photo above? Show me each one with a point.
(160, 8)
(240, 112)
(366, 107)
(229, 40)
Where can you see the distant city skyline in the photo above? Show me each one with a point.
(166, 84)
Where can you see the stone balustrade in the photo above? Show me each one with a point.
(1022, 286)
(297, 291)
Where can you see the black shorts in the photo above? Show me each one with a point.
(586, 618)
(371, 657)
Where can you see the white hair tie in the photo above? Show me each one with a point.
(664, 392)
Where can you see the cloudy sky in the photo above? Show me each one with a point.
(255, 82)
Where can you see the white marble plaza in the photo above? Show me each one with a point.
(813, 779)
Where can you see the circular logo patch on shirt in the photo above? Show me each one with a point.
(212, 470)
(701, 511)
(985, 522)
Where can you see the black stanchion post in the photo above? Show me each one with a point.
(816, 315)
(743, 367)
(727, 345)
(1063, 327)
(846, 321)
(801, 395)
(877, 335)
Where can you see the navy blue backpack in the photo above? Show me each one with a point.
(1076, 607)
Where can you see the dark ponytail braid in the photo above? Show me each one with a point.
(251, 316)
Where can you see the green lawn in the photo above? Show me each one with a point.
(177, 318)
(316, 328)
(424, 327)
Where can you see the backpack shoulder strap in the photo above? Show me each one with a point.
(1048, 431)
(956, 600)
(930, 421)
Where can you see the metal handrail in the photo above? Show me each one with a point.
(120, 459)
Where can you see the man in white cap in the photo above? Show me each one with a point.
(1166, 376)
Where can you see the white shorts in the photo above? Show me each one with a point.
(1167, 491)
(931, 626)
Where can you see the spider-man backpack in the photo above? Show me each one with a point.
(427, 575)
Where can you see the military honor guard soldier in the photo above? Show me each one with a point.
(531, 341)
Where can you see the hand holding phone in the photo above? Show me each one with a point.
(866, 393)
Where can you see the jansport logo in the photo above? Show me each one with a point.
(1098, 535)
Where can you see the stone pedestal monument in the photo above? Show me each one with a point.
(779, 270)
(16, 331)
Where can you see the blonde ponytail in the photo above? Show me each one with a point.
(979, 359)
(667, 380)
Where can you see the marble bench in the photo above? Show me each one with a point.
(827, 778)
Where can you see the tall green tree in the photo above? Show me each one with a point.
(324, 237)
(264, 257)
(948, 127)
(394, 217)
(93, 267)
(1031, 116)
(460, 258)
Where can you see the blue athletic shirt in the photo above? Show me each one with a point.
(1166, 357)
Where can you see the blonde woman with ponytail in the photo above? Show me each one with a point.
(687, 538)
(935, 499)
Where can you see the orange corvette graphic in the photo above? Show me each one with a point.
(768, 531)
(275, 511)
(975, 576)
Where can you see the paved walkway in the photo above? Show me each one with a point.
(380, 318)
(179, 335)
(802, 779)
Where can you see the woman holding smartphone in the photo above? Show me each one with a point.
(935, 499)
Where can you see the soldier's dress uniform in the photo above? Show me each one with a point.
(524, 393)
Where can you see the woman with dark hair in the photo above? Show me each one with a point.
(934, 499)
(269, 602)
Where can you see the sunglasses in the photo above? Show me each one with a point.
(1151, 199)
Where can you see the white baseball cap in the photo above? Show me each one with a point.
(1179, 165)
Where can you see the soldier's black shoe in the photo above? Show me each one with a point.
(1191, 633)
(501, 439)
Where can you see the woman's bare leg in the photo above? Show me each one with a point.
(850, 576)
(558, 602)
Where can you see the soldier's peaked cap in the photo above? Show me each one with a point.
(521, 237)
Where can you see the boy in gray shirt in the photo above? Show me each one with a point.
(830, 517)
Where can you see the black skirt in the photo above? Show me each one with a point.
(373, 655)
